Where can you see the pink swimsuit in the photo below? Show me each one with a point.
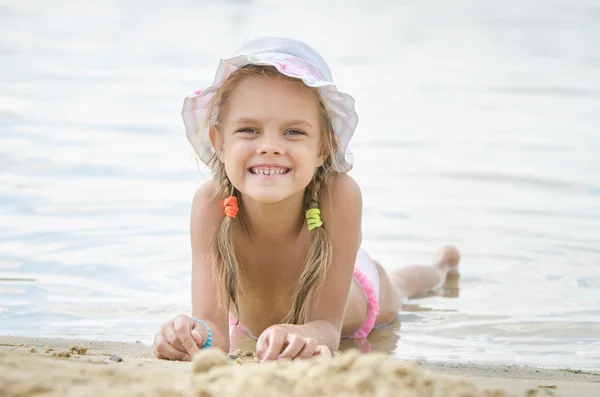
(365, 272)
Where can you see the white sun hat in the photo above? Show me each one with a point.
(292, 58)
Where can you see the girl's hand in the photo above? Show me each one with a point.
(277, 342)
(179, 339)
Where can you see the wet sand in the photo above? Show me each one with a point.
(53, 367)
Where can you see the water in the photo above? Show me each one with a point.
(478, 126)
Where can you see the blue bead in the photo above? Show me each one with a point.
(209, 339)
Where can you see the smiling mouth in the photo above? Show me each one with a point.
(269, 171)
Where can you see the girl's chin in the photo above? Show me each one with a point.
(265, 198)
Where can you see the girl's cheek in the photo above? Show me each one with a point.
(240, 145)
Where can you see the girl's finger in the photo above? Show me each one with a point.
(309, 348)
(183, 328)
(261, 345)
(295, 343)
(198, 338)
(275, 339)
(323, 350)
(163, 350)
(172, 338)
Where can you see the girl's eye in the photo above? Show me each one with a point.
(294, 132)
(248, 130)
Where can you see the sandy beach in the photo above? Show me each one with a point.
(53, 367)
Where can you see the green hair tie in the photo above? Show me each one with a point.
(313, 218)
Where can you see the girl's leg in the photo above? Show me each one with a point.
(417, 279)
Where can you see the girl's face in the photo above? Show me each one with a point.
(271, 138)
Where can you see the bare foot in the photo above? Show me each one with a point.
(415, 280)
(448, 258)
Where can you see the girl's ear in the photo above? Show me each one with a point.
(216, 141)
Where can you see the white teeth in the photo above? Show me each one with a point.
(268, 170)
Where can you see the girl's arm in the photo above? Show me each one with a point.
(342, 217)
(341, 214)
(182, 337)
(206, 217)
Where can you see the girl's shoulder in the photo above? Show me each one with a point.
(207, 206)
(343, 185)
(344, 197)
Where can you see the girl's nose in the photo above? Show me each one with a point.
(270, 145)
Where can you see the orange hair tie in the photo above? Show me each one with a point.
(231, 206)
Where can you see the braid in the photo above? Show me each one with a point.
(226, 264)
(312, 195)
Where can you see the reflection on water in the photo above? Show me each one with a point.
(478, 123)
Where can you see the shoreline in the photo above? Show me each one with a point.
(137, 358)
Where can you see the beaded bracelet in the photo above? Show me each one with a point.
(208, 342)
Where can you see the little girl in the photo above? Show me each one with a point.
(276, 234)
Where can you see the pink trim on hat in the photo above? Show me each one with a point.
(297, 67)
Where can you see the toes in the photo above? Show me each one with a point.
(449, 256)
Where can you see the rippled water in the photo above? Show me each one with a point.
(479, 126)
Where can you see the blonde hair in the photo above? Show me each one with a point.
(225, 262)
